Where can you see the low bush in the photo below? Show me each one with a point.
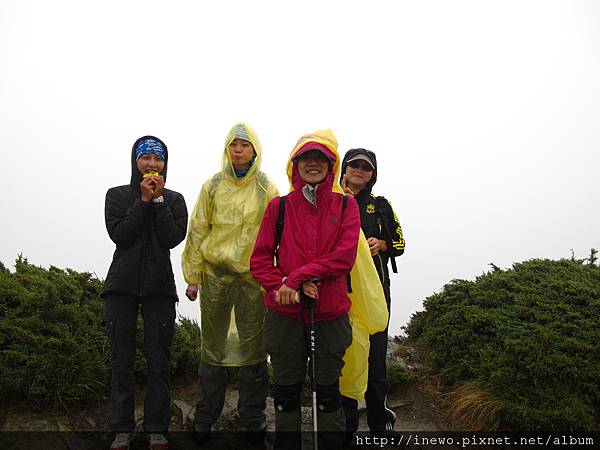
(53, 345)
(53, 348)
(528, 336)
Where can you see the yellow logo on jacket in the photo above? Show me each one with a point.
(370, 208)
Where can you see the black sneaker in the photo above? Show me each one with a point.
(384, 428)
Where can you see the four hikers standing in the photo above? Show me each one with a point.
(242, 236)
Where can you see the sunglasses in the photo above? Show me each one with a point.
(361, 165)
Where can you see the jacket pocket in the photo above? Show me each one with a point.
(167, 329)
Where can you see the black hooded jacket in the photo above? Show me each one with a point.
(144, 234)
(377, 218)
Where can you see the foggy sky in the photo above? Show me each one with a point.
(483, 115)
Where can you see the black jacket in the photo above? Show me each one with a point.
(377, 218)
(144, 234)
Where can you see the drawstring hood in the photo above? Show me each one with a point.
(325, 142)
(245, 132)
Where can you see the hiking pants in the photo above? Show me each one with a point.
(120, 316)
(379, 416)
(287, 342)
(254, 381)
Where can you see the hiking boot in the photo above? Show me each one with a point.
(201, 433)
(122, 441)
(389, 425)
(158, 441)
(384, 428)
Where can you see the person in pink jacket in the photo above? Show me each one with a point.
(317, 249)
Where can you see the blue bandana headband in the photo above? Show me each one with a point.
(149, 146)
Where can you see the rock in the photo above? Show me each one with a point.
(139, 417)
(91, 422)
(186, 412)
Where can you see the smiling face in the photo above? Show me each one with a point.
(313, 166)
(241, 152)
(358, 175)
(150, 162)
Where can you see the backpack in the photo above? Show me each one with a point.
(279, 230)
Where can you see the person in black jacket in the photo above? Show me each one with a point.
(145, 220)
(384, 236)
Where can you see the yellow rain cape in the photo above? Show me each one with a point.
(369, 312)
(221, 235)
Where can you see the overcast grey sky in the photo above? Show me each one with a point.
(484, 117)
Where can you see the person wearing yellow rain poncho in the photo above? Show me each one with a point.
(320, 240)
(215, 261)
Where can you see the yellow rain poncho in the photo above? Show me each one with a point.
(368, 313)
(221, 235)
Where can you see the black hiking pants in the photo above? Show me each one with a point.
(120, 316)
(379, 416)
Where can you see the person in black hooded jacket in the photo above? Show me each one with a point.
(384, 236)
(145, 220)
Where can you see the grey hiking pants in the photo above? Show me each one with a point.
(287, 342)
(254, 381)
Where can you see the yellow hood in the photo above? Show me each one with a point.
(323, 137)
(244, 131)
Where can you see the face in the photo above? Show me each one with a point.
(358, 175)
(241, 152)
(150, 163)
(313, 167)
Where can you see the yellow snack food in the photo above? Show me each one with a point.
(151, 174)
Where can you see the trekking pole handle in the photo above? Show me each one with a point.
(309, 300)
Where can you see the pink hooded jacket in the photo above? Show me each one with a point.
(317, 242)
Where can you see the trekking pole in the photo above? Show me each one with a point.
(313, 379)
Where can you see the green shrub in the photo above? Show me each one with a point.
(53, 346)
(185, 351)
(530, 333)
(396, 375)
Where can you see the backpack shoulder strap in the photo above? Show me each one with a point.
(279, 228)
(380, 206)
(348, 277)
